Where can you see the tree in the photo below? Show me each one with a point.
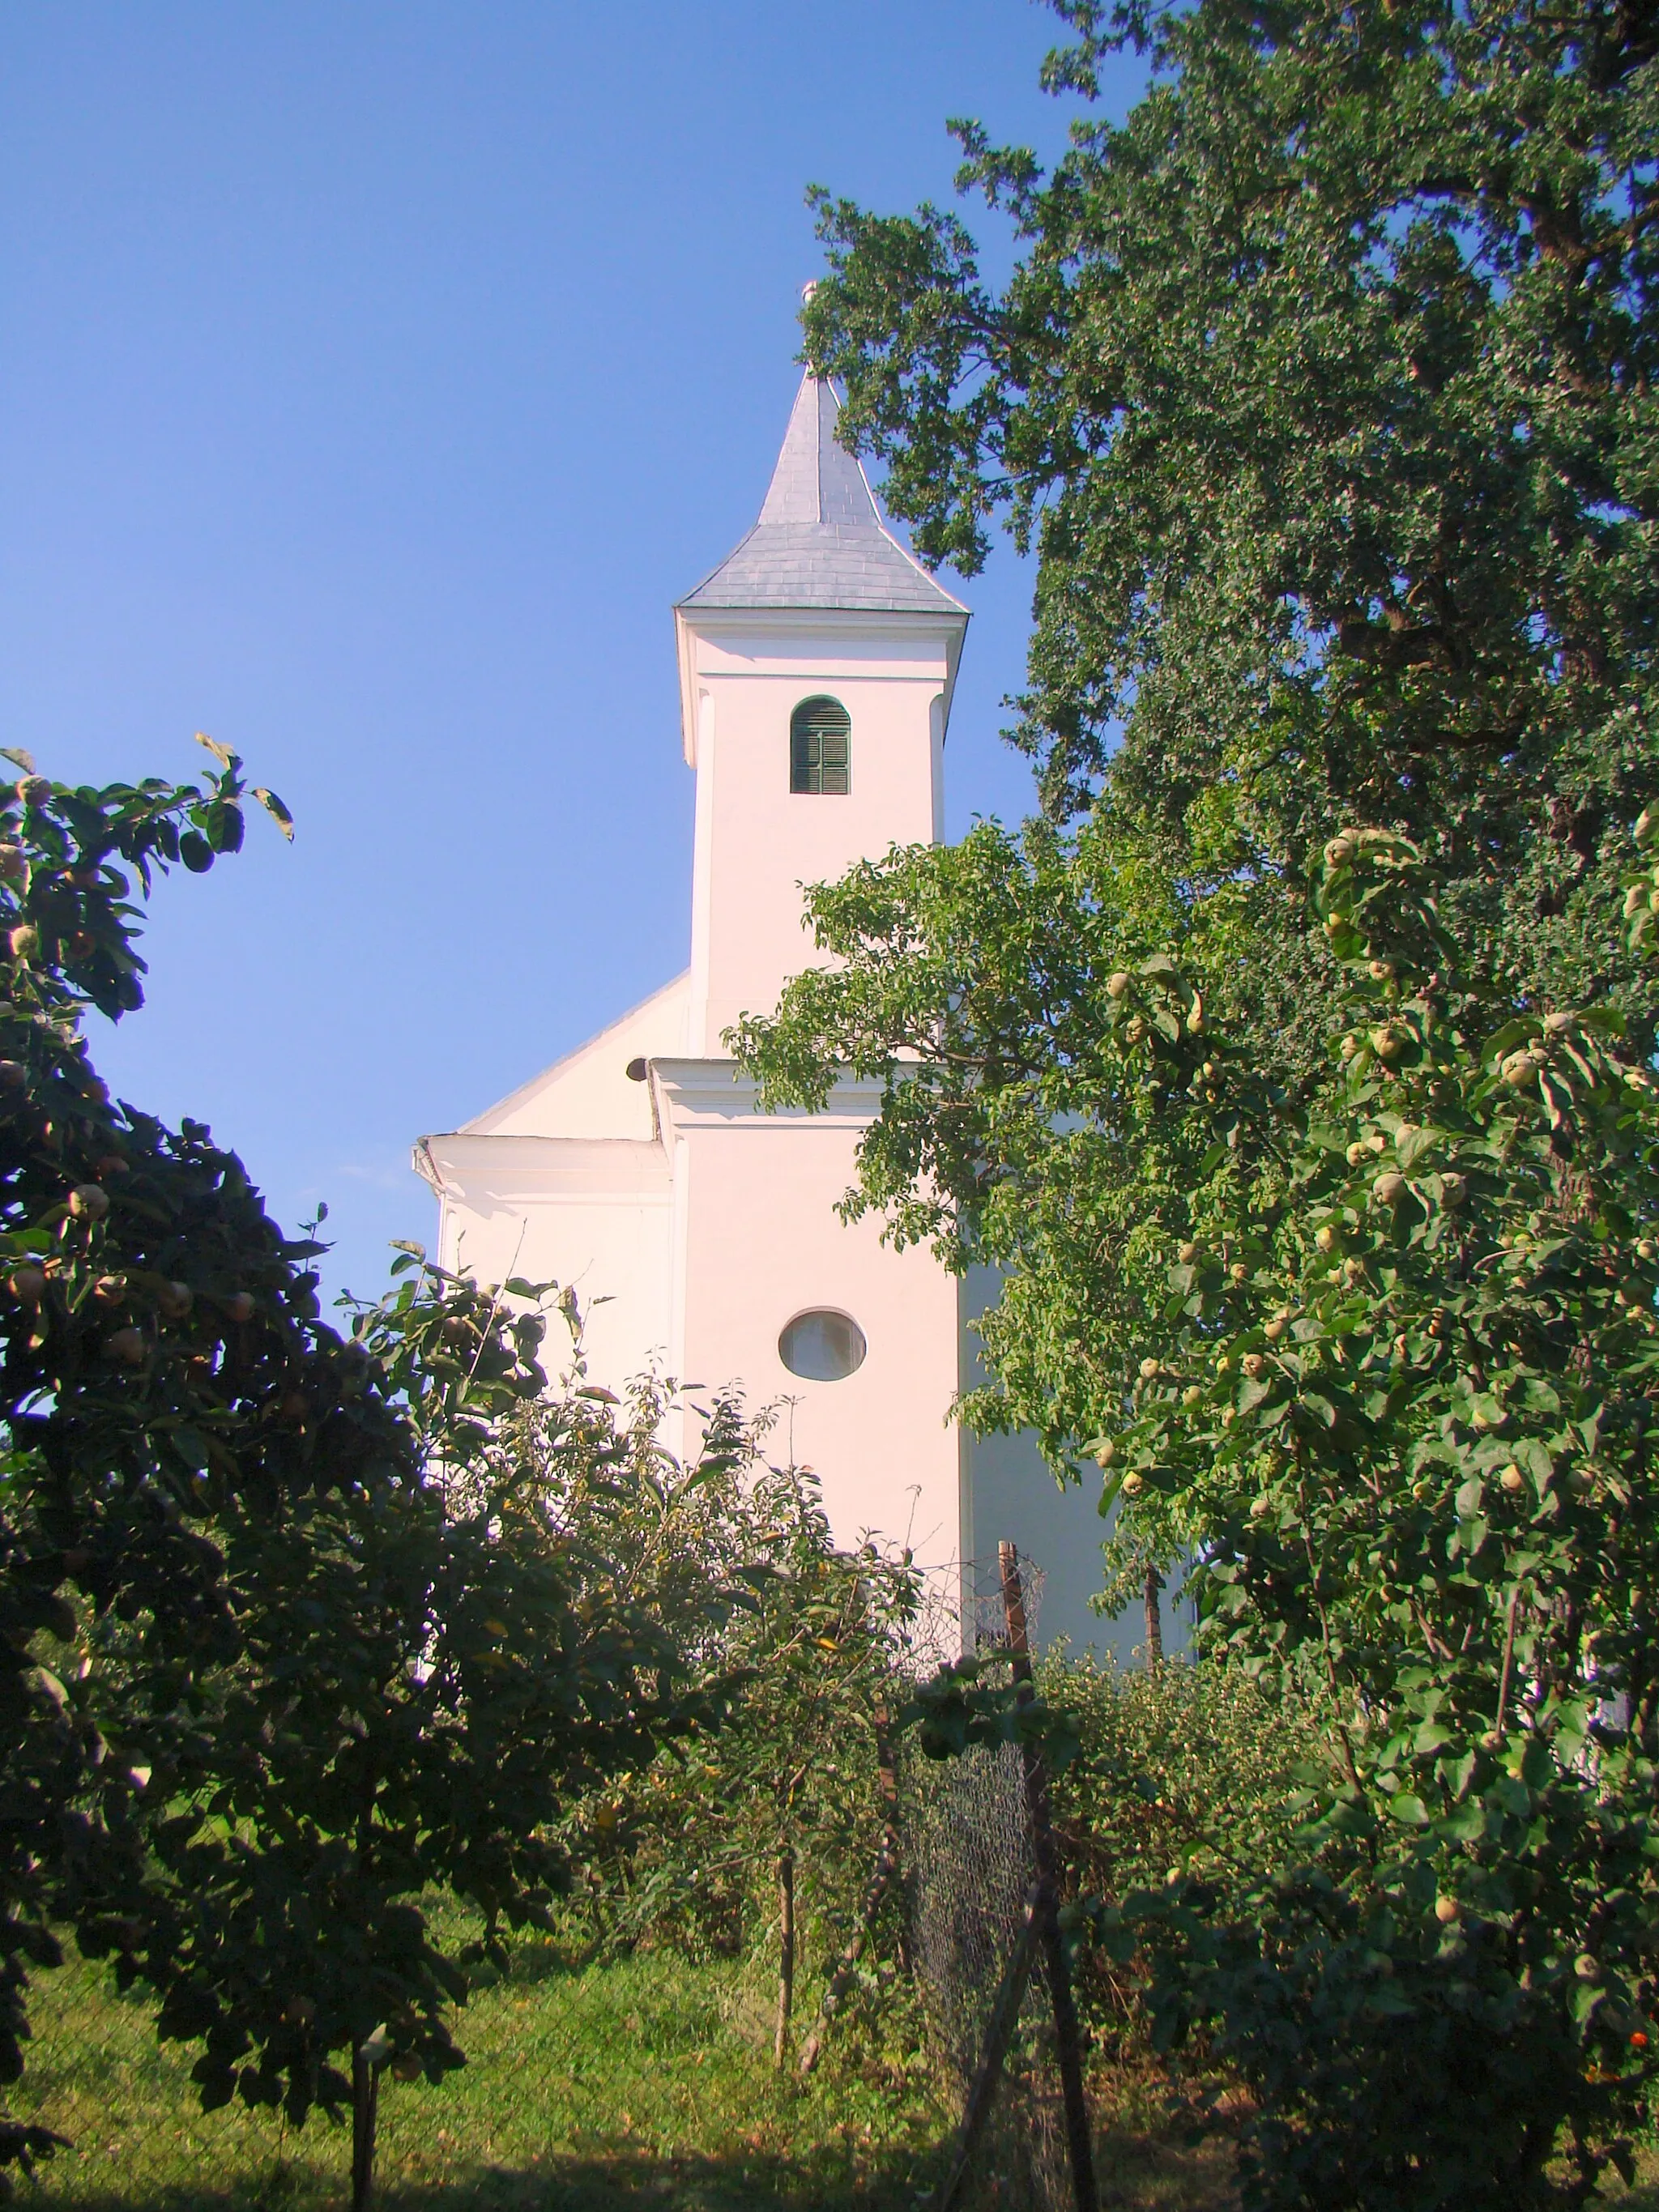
(1322, 387)
(285, 1637)
(777, 1818)
(986, 985)
(1404, 1380)
(1385, 1348)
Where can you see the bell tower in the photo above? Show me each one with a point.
(698, 1231)
(817, 665)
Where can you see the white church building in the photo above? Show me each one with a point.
(817, 665)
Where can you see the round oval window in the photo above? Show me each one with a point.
(822, 1346)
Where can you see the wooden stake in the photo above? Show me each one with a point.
(364, 2105)
(785, 1952)
(887, 1782)
(1067, 2040)
(1154, 1621)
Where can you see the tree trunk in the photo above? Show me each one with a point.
(1154, 1621)
(786, 1951)
(1068, 2044)
(365, 2102)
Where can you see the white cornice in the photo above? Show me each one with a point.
(819, 624)
(627, 1169)
(710, 1094)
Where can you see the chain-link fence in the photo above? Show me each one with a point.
(968, 1848)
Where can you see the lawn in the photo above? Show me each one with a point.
(643, 2081)
(585, 2085)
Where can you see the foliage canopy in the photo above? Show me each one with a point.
(1323, 388)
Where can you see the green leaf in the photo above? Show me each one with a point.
(1459, 1773)
(1465, 1824)
(1385, 2002)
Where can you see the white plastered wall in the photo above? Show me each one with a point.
(756, 841)
(757, 1234)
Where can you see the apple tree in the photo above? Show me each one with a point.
(284, 1643)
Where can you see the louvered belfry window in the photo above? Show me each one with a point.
(821, 747)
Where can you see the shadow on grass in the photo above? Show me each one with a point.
(1156, 2170)
(1138, 2172)
(605, 2180)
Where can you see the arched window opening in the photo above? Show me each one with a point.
(823, 1345)
(821, 747)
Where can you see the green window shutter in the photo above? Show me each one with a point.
(804, 759)
(835, 762)
(820, 748)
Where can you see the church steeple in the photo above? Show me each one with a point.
(816, 481)
(820, 542)
(817, 665)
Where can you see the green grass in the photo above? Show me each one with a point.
(640, 2081)
(641, 2084)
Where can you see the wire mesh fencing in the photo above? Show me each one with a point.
(969, 1849)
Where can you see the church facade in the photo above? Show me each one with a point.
(817, 665)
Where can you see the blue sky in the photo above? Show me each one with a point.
(375, 378)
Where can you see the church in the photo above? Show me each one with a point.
(699, 1233)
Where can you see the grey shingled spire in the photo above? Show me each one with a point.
(819, 542)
